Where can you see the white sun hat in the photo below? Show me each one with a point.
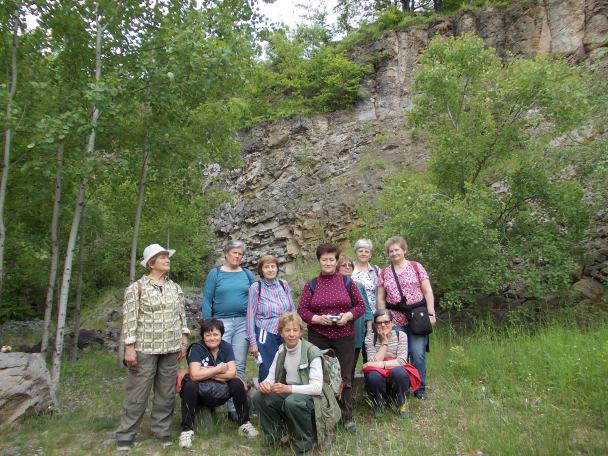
(154, 249)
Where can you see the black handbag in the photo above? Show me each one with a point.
(417, 314)
(215, 392)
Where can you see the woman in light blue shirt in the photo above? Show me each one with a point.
(225, 297)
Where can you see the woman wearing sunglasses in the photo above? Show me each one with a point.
(386, 377)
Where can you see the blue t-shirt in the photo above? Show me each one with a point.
(226, 294)
(199, 353)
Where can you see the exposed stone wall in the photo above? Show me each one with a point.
(301, 178)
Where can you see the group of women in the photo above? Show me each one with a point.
(351, 309)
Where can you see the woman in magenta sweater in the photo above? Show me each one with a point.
(330, 304)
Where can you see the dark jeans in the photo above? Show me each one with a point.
(192, 401)
(268, 344)
(345, 352)
(395, 388)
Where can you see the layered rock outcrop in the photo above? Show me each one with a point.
(301, 179)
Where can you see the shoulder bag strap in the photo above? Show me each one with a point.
(403, 298)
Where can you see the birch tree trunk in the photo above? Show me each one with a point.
(141, 192)
(65, 286)
(78, 304)
(67, 270)
(48, 309)
(8, 138)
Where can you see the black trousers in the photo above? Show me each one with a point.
(345, 352)
(192, 402)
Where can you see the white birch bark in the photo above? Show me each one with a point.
(48, 309)
(67, 270)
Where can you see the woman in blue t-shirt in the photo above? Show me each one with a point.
(211, 380)
(225, 297)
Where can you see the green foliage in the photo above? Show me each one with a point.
(304, 74)
(495, 206)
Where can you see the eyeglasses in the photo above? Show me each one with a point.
(347, 265)
(383, 323)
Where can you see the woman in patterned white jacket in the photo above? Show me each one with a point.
(156, 338)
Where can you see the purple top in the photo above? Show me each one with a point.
(330, 298)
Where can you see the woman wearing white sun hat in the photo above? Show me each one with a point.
(156, 338)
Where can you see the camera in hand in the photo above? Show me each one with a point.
(334, 319)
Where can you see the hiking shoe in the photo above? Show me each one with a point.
(351, 427)
(404, 412)
(165, 441)
(185, 439)
(420, 395)
(124, 445)
(248, 430)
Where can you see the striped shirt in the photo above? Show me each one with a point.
(266, 306)
(397, 347)
(156, 320)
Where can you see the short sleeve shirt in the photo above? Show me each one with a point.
(408, 279)
(200, 354)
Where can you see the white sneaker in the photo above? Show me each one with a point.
(185, 439)
(248, 430)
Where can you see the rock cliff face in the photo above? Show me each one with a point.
(301, 178)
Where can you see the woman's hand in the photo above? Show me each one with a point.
(253, 351)
(345, 318)
(130, 356)
(180, 377)
(265, 387)
(322, 320)
(433, 320)
(222, 368)
(280, 388)
(183, 348)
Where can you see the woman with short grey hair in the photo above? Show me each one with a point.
(225, 297)
(364, 272)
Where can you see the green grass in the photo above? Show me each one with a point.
(503, 392)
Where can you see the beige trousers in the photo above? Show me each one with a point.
(157, 370)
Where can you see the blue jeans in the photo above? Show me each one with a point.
(235, 333)
(416, 348)
(268, 344)
(417, 354)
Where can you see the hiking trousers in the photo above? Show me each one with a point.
(344, 348)
(295, 410)
(157, 370)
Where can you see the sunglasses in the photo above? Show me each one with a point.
(383, 323)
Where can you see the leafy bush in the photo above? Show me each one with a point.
(302, 76)
(495, 206)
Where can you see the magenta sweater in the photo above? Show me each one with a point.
(331, 297)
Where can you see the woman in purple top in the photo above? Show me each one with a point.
(329, 305)
(269, 298)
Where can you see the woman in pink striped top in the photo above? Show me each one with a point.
(269, 298)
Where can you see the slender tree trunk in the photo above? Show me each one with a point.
(67, 269)
(82, 259)
(142, 191)
(8, 138)
(65, 286)
(48, 309)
